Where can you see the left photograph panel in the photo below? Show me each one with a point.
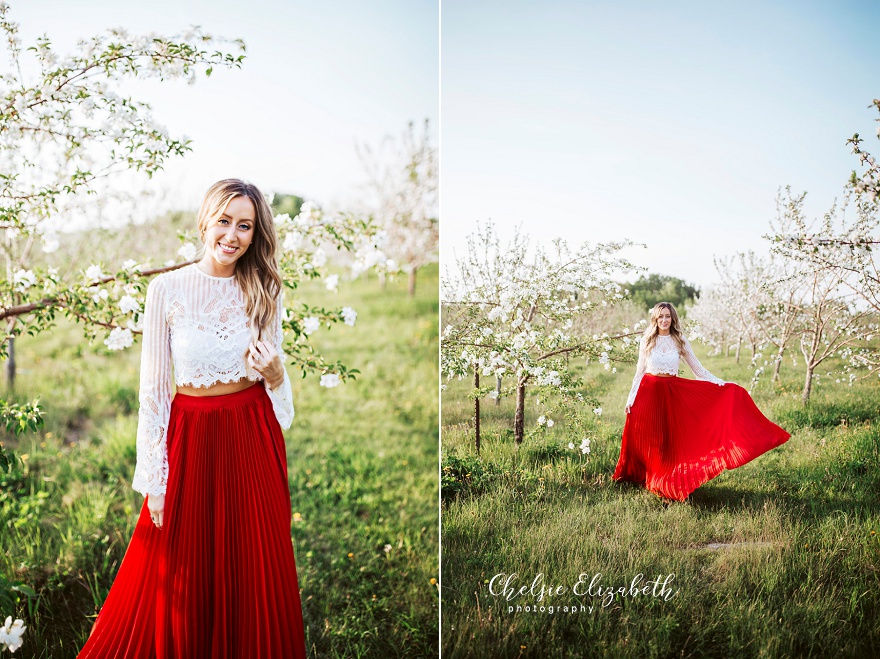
(220, 388)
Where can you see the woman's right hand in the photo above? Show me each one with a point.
(628, 408)
(156, 504)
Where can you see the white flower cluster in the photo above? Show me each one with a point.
(119, 339)
(349, 316)
(94, 272)
(330, 380)
(23, 280)
(187, 251)
(11, 633)
(583, 448)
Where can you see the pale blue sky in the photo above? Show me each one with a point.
(670, 123)
(318, 78)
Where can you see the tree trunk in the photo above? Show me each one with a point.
(10, 324)
(477, 409)
(778, 365)
(739, 343)
(383, 281)
(497, 391)
(519, 419)
(412, 282)
(10, 365)
(808, 384)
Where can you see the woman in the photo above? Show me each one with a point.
(681, 433)
(210, 570)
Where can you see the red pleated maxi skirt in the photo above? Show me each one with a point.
(680, 433)
(219, 579)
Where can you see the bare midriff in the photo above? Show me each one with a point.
(216, 389)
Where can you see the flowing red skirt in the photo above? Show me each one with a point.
(219, 579)
(680, 433)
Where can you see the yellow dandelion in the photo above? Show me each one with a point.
(350, 555)
(433, 581)
(297, 517)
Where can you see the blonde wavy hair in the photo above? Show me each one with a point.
(256, 271)
(653, 331)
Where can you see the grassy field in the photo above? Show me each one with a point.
(778, 558)
(363, 474)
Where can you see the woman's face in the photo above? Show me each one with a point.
(229, 236)
(664, 319)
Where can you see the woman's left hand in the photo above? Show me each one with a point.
(266, 361)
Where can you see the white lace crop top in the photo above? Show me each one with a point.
(196, 322)
(664, 359)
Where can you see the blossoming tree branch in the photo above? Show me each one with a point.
(527, 313)
(63, 127)
(64, 130)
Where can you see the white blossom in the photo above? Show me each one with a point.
(23, 280)
(94, 272)
(187, 251)
(11, 633)
(50, 243)
(310, 324)
(319, 258)
(349, 315)
(332, 282)
(330, 380)
(119, 339)
(598, 411)
(292, 241)
(128, 304)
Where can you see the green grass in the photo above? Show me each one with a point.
(796, 575)
(362, 462)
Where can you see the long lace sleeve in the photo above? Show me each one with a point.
(151, 470)
(700, 372)
(640, 372)
(282, 396)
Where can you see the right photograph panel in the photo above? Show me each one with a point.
(660, 330)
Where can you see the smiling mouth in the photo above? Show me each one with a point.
(227, 249)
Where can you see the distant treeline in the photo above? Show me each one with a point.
(649, 290)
